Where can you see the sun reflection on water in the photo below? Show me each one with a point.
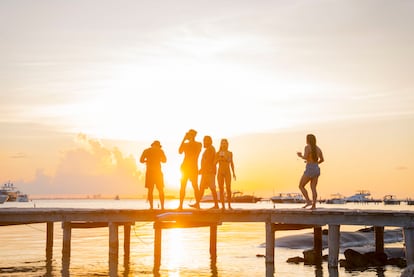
(174, 248)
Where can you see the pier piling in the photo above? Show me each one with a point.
(270, 242)
(49, 240)
(379, 239)
(409, 244)
(333, 244)
(317, 243)
(113, 249)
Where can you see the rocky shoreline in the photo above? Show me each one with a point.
(354, 260)
(358, 258)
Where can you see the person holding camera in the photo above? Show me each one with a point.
(189, 167)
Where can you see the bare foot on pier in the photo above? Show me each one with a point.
(308, 203)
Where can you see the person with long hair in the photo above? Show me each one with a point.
(224, 158)
(313, 157)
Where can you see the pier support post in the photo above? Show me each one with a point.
(113, 249)
(127, 247)
(379, 239)
(270, 243)
(127, 240)
(49, 247)
(157, 246)
(333, 244)
(409, 244)
(213, 242)
(49, 241)
(67, 232)
(317, 243)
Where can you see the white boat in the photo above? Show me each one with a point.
(336, 199)
(391, 200)
(237, 197)
(14, 195)
(288, 197)
(362, 196)
(22, 198)
(3, 198)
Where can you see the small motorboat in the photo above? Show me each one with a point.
(391, 200)
(336, 199)
(289, 197)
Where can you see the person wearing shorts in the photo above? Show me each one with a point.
(153, 157)
(189, 167)
(208, 172)
(313, 157)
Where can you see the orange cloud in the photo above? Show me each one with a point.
(92, 168)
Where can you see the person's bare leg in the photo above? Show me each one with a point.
(303, 181)
(182, 194)
(196, 192)
(222, 200)
(150, 197)
(313, 184)
(228, 189)
(201, 194)
(161, 193)
(214, 193)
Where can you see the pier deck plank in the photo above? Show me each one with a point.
(286, 216)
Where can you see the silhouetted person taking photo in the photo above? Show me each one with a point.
(153, 157)
(189, 167)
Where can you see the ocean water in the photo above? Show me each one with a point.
(185, 252)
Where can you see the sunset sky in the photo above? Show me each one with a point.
(87, 85)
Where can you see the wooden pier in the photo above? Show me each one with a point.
(273, 219)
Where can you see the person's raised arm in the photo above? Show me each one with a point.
(182, 145)
(143, 158)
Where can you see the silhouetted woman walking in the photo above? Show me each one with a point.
(313, 157)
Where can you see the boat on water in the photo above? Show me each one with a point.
(237, 197)
(13, 193)
(22, 198)
(336, 198)
(362, 196)
(288, 197)
(3, 198)
(391, 200)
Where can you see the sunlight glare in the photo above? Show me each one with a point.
(173, 247)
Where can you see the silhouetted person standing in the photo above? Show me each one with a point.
(153, 157)
(224, 158)
(208, 172)
(313, 157)
(189, 167)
